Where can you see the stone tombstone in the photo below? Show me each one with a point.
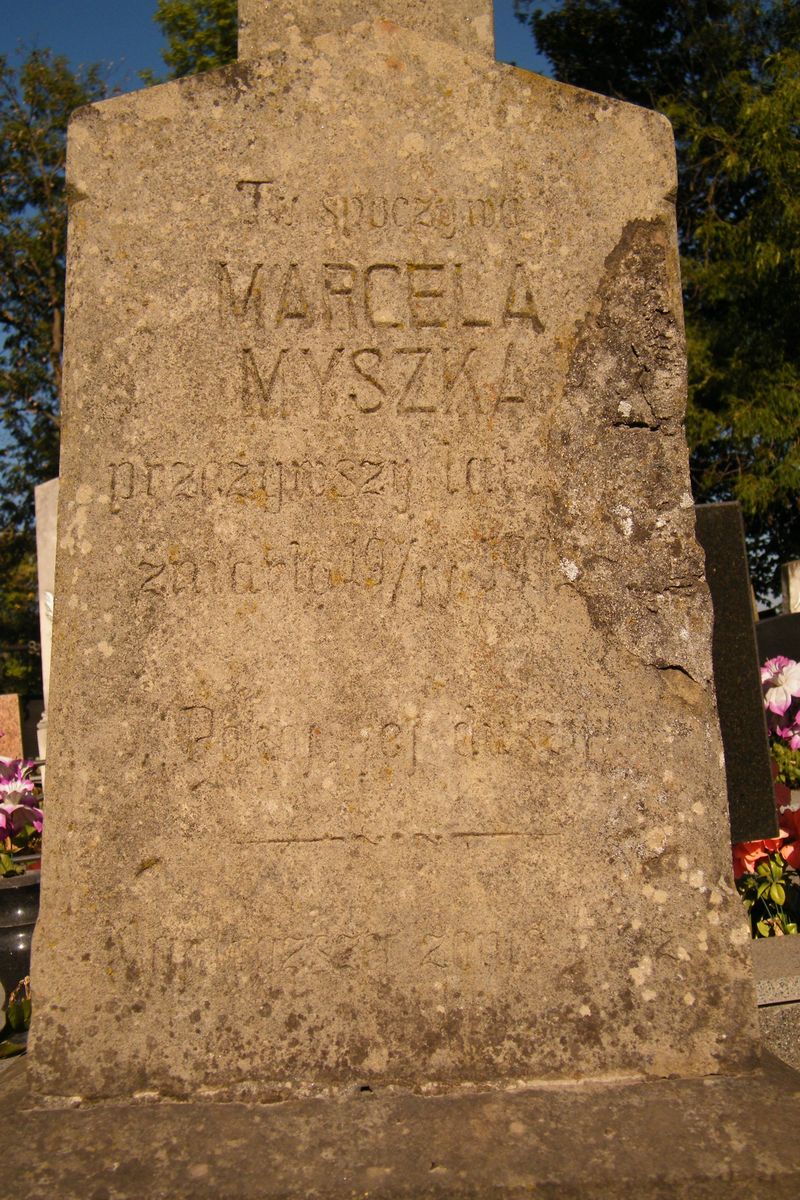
(383, 746)
(790, 587)
(10, 726)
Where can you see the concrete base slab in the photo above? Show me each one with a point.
(667, 1140)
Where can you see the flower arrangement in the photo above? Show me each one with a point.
(21, 816)
(766, 871)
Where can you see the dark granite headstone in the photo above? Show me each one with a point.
(779, 635)
(32, 709)
(736, 674)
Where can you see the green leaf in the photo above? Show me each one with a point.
(8, 867)
(763, 929)
(18, 1015)
(10, 1049)
(777, 892)
(778, 866)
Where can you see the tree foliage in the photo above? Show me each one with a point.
(36, 100)
(727, 73)
(201, 34)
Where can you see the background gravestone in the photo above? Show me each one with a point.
(46, 496)
(10, 726)
(737, 675)
(790, 586)
(779, 636)
(383, 748)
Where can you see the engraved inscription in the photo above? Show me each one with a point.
(269, 202)
(435, 314)
(479, 957)
(276, 485)
(384, 570)
(347, 296)
(464, 383)
(442, 216)
(405, 743)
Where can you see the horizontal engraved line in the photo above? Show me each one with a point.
(393, 837)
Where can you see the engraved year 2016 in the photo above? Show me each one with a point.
(381, 569)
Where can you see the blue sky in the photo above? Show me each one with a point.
(123, 35)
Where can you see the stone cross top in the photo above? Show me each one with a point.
(468, 23)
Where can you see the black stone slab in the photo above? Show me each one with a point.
(737, 675)
(779, 635)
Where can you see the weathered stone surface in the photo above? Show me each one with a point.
(663, 1140)
(265, 23)
(383, 747)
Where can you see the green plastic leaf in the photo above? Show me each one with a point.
(8, 866)
(18, 1015)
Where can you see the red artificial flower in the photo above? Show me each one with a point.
(747, 855)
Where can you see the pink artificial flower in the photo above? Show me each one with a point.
(780, 678)
(14, 817)
(790, 734)
(15, 778)
(15, 787)
(8, 767)
(773, 665)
